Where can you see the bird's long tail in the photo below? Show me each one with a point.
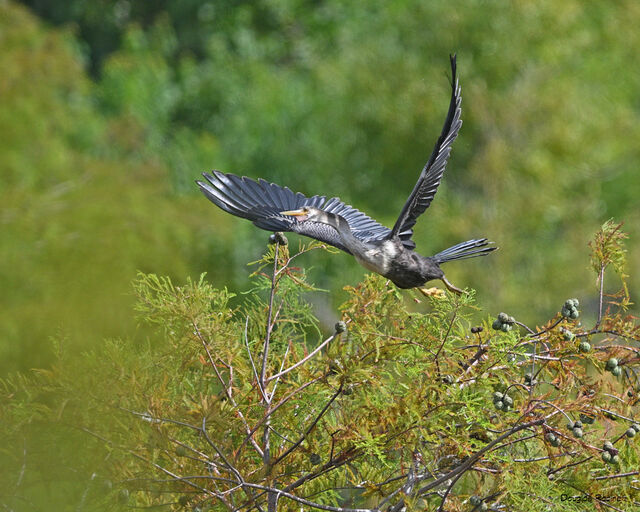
(468, 249)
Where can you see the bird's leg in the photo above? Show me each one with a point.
(450, 287)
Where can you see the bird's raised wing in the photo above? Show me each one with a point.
(261, 202)
(431, 174)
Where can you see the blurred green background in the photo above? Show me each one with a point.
(110, 110)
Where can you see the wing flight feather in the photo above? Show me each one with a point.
(261, 202)
(431, 175)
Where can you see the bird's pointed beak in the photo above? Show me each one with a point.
(295, 213)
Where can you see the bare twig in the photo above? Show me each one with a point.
(253, 366)
(218, 451)
(304, 501)
(140, 457)
(449, 488)
(444, 339)
(232, 468)
(514, 441)
(534, 334)
(470, 461)
(310, 427)
(267, 337)
(342, 459)
(282, 401)
(304, 360)
(600, 295)
(277, 380)
(224, 387)
(618, 475)
(304, 250)
(547, 457)
(607, 411)
(155, 419)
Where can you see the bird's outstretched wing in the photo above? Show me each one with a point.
(431, 174)
(261, 202)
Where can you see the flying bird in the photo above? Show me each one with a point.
(389, 252)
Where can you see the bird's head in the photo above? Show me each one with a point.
(307, 213)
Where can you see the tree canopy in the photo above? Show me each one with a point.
(253, 408)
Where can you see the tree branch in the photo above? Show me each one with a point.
(267, 337)
(224, 387)
(273, 409)
(470, 461)
(310, 427)
(304, 360)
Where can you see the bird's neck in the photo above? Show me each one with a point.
(341, 225)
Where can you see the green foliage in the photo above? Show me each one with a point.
(178, 309)
(608, 249)
(227, 407)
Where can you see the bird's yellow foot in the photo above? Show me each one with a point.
(450, 287)
(432, 292)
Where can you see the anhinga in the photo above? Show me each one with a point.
(389, 252)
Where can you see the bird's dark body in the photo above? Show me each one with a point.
(410, 270)
(389, 252)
